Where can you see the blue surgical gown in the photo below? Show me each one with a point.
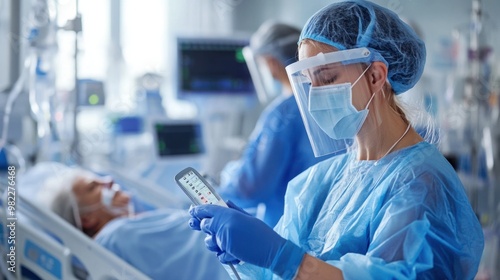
(404, 217)
(278, 150)
(161, 245)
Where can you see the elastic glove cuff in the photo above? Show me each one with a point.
(287, 260)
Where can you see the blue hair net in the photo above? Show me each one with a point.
(276, 39)
(359, 23)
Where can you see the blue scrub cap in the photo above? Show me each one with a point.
(359, 23)
(276, 39)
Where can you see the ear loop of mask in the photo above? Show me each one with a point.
(360, 76)
(76, 212)
(370, 101)
(357, 80)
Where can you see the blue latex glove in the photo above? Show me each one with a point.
(194, 223)
(239, 236)
(211, 241)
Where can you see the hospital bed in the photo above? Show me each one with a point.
(47, 247)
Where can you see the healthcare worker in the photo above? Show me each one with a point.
(278, 149)
(390, 208)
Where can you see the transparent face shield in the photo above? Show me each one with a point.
(322, 87)
(262, 78)
(266, 86)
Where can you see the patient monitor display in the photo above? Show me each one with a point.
(176, 139)
(212, 66)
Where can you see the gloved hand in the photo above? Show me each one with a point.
(211, 241)
(238, 235)
(194, 223)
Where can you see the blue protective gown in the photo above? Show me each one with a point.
(404, 217)
(161, 245)
(278, 150)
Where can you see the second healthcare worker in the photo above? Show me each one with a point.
(392, 207)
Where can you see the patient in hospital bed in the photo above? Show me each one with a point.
(157, 242)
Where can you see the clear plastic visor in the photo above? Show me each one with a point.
(261, 76)
(325, 69)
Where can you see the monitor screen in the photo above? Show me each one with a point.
(212, 66)
(175, 139)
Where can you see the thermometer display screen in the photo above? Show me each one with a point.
(198, 189)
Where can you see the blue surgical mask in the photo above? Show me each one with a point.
(331, 107)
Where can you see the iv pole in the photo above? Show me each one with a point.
(476, 100)
(75, 25)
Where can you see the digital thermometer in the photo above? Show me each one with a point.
(200, 192)
(197, 188)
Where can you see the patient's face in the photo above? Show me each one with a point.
(88, 193)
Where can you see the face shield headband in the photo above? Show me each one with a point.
(320, 70)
